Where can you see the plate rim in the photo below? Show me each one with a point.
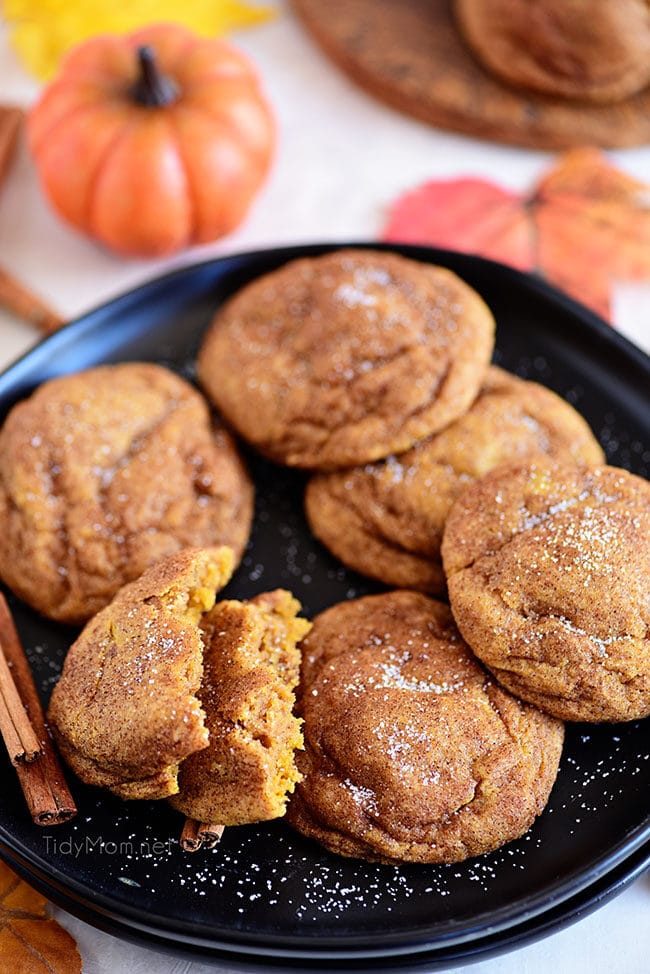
(288, 946)
(495, 943)
(587, 318)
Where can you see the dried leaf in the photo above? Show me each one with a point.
(43, 30)
(585, 225)
(30, 941)
(471, 215)
(593, 226)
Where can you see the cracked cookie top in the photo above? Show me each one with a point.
(412, 752)
(386, 519)
(548, 571)
(106, 471)
(343, 359)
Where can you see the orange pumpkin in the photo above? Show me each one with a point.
(152, 141)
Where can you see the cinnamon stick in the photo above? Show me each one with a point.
(24, 304)
(11, 120)
(17, 732)
(46, 792)
(15, 296)
(200, 835)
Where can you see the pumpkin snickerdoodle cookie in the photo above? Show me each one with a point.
(104, 472)
(548, 570)
(165, 693)
(386, 519)
(251, 665)
(125, 711)
(578, 49)
(412, 753)
(345, 358)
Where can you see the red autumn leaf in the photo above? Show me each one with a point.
(583, 226)
(471, 215)
(30, 941)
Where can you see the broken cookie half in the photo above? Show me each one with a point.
(162, 677)
(251, 668)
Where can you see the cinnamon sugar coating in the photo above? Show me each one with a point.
(125, 711)
(164, 693)
(345, 358)
(412, 753)
(548, 570)
(251, 665)
(386, 519)
(106, 471)
(596, 51)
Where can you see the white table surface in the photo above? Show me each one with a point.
(342, 159)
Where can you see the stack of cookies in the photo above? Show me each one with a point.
(435, 472)
(428, 724)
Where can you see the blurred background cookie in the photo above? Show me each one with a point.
(106, 471)
(548, 570)
(411, 752)
(598, 51)
(386, 519)
(345, 358)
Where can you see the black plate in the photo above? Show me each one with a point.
(422, 962)
(266, 892)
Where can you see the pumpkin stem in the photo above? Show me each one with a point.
(152, 88)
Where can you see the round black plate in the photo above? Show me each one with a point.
(421, 962)
(266, 892)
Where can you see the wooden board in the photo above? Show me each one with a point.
(409, 54)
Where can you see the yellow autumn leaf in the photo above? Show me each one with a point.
(41, 31)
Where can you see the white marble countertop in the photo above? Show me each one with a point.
(342, 159)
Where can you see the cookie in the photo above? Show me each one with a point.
(125, 712)
(578, 49)
(343, 359)
(251, 665)
(548, 570)
(104, 472)
(386, 519)
(412, 753)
